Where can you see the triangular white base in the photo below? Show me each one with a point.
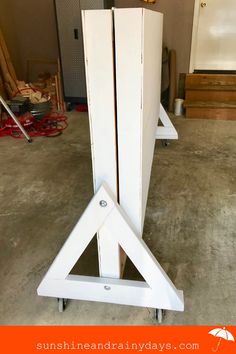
(156, 292)
(168, 131)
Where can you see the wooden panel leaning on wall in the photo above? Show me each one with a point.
(7, 70)
(10, 86)
(2, 88)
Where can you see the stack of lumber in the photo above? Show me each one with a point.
(48, 87)
(8, 79)
(2, 88)
(51, 86)
(32, 93)
(59, 91)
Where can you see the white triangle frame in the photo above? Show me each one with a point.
(157, 291)
(168, 131)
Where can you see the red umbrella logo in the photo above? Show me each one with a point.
(221, 333)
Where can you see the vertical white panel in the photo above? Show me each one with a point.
(138, 37)
(128, 42)
(99, 63)
(98, 36)
(152, 60)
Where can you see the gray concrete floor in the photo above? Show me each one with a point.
(190, 224)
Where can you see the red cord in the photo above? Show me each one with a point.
(49, 126)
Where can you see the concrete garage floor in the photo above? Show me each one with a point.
(190, 224)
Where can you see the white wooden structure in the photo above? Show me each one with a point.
(123, 70)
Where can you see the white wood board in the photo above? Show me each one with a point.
(99, 63)
(167, 130)
(114, 291)
(98, 37)
(138, 78)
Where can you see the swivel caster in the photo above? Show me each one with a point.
(69, 106)
(159, 314)
(61, 304)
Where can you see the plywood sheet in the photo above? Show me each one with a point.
(98, 37)
(99, 62)
(138, 38)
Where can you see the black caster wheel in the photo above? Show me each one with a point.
(159, 314)
(165, 143)
(69, 106)
(61, 304)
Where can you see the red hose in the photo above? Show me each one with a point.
(49, 126)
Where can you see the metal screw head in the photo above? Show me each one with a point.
(103, 203)
(107, 288)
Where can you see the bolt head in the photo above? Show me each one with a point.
(107, 288)
(103, 203)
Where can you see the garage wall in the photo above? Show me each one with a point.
(178, 20)
(7, 24)
(29, 28)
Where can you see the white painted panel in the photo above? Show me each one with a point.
(216, 35)
(138, 38)
(98, 37)
(99, 62)
(152, 61)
